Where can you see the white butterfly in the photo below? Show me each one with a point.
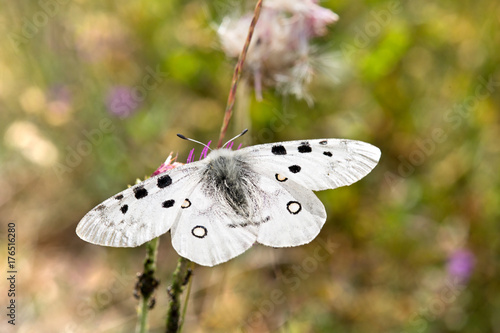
(220, 206)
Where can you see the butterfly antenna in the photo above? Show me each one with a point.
(188, 139)
(236, 137)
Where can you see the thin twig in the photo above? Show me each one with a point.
(237, 74)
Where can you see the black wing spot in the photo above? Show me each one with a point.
(294, 168)
(305, 148)
(100, 207)
(164, 181)
(294, 207)
(168, 203)
(278, 150)
(324, 142)
(281, 178)
(327, 153)
(124, 209)
(199, 231)
(140, 192)
(119, 197)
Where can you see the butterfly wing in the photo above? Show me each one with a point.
(292, 215)
(141, 212)
(208, 231)
(315, 164)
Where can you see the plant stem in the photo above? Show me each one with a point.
(180, 278)
(146, 284)
(186, 300)
(237, 74)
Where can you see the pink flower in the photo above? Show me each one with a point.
(167, 165)
(461, 264)
(170, 164)
(121, 101)
(315, 17)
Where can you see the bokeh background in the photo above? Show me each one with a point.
(413, 247)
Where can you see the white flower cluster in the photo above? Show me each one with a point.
(280, 54)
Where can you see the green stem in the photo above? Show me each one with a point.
(179, 280)
(146, 285)
(186, 300)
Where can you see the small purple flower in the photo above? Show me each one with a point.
(204, 152)
(190, 156)
(121, 101)
(231, 144)
(461, 264)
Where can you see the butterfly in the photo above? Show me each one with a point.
(218, 207)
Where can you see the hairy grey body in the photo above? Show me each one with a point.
(229, 177)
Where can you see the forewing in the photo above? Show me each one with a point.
(208, 231)
(315, 164)
(141, 212)
(292, 214)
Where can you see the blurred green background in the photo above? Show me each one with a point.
(414, 246)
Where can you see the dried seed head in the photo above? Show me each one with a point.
(280, 54)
